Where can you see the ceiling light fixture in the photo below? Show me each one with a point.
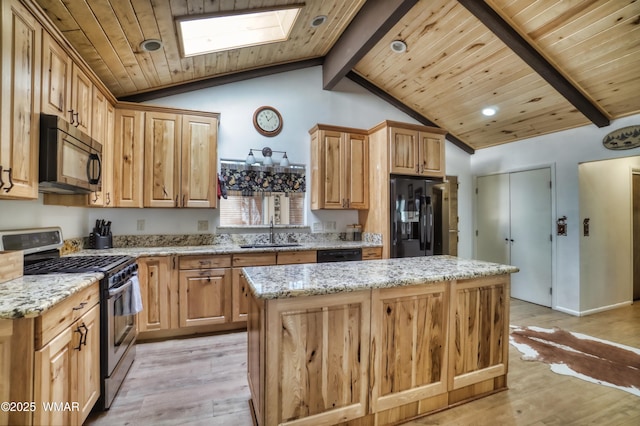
(151, 45)
(398, 46)
(318, 20)
(489, 112)
(267, 153)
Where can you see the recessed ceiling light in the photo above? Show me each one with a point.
(151, 45)
(489, 111)
(318, 20)
(398, 46)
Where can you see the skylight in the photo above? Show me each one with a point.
(215, 33)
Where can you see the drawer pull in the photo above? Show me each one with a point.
(80, 306)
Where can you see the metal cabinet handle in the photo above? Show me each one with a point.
(8, 188)
(176, 202)
(108, 198)
(1, 181)
(184, 200)
(96, 196)
(164, 191)
(80, 306)
(77, 119)
(417, 168)
(83, 336)
(72, 115)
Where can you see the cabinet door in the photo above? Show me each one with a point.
(88, 362)
(205, 297)
(239, 296)
(356, 171)
(403, 147)
(410, 361)
(56, 78)
(479, 335)
(21, 56)
(155, 276)
(56, 376)
(199, 159)
(128, 158)
(162, 160)
(431, 152)
(81, 100)
(104, 197)
(331, 163)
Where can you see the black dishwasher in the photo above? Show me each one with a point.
(339, 255)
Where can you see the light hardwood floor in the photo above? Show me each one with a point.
(202, 381)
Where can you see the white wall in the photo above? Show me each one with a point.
(299, 97)
(564, 151)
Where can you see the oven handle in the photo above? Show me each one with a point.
(121, 289)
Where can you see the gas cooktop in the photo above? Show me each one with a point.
(76, 264)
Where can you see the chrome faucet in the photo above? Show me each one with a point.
(271, 239)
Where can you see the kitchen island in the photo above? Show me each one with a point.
(374, 342)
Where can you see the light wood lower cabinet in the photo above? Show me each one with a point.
(204, 297)
(316, 350)
(379, 356)
(240, 288)
(68, 373)
(155, 276)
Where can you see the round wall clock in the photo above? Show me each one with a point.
(267, 121)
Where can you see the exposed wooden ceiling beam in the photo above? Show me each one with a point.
(371, 23)
(535, 60)
(224, 79)
(404, 108)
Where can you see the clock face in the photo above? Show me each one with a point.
(267, 121)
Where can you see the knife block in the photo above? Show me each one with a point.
(100, 241)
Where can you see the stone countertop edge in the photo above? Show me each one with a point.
(31, 295)
(221, 249)
(287, 281)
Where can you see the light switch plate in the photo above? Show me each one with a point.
(203, 225)
(140, 225)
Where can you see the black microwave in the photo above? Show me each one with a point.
(70, 161)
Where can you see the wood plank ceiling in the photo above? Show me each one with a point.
(458, 58)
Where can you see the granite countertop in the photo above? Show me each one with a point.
(29, 296)
(222, 249)
(284, 281)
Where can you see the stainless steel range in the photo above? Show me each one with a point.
(117, 318)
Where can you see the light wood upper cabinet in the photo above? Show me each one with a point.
(162, 159)
(81, 100)
(180, 160)
(199, 161)
(128, 158)
(56, 78)
(416, 152)
(20, 104)
(339, 168)
(105, 197)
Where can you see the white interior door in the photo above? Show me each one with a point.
(514, 225)
(492, 231)
(530, 240)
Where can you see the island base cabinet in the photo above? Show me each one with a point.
(316, 350)
(377, 357)
(479, 349)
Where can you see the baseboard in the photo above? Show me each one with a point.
(566, 311)
(605, 308)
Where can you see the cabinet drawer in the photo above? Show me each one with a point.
(291, 257)
(254, 259)
(205, 262)
(371, 253)
(65, 313)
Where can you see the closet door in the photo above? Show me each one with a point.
(530, 239)
(492, 218)
(513, 226)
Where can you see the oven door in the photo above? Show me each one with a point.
(121, 324)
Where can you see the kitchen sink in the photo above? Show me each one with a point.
(270, 245)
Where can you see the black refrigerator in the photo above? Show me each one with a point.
(419, 217)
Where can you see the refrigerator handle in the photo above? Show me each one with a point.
(429, 226)
(422, 224)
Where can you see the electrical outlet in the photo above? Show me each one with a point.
(140, 225)
(203, 225)
(330, 226)
(317, 227)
